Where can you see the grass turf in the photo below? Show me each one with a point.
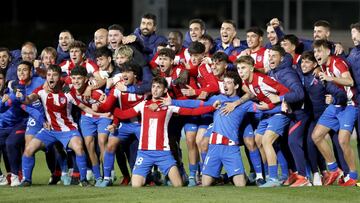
(41, 192)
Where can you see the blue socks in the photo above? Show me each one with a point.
(109, 159)
(273, 172)
(353, 175)
(283, 165)
(28, 164)
(332, 166)
(256, 160)
(81, 162)
(96, 171)
(192, 169)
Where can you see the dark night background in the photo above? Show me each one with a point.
(41, 23)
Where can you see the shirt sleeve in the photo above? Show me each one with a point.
(195, 112)
(72, 99)
(129, 113)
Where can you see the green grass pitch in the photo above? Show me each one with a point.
(40, 192)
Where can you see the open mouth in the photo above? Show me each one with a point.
(162, 68)
(113, 44)
(319, 60)
(225, 37)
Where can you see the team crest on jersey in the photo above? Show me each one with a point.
(259, 58)
(62, 100)
(234, 53)
(257, 90)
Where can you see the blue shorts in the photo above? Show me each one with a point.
(146, 159)
(33, 127)
(191, 124)
(194, 123)
(125, 130)
(209, 131)
(339, 118)
(276, 123)
(93, 126)
(49, 137)
(246, 129)
(223, 155)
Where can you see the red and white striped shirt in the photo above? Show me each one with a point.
(68, 65)
(178, 58)
(262, 86)
(337, 67)
(261, 58)
(206, 80)
(57, 108)
(216, 138)
(94, 98)
(154, 124)
(154, 128)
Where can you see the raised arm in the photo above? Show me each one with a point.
(90, 111)
(125, 114)
(26, 99)
(196, 111)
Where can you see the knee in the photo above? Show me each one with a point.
(29, 151)
(258, 140)
(266, 141)
(136, 182)
(316, 138)
(111, 147)
(190, 140)
(204, 145)
(136, 185)
(77, 146)
(343, 143)
(250, 144)
(102, 142)
(239, 181)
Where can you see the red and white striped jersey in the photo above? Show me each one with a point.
(57, 108)
(127, 100)
(262, 86)
(296, 59)
(216, 138)
(337, 67)
(175, 90)
(68, 65)
(94, 98)
(178, 57)
(154, 123)
(261, 57)
(154, 128)
(206, 80)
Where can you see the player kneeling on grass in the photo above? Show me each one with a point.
(154, 148)
(224, 142)
(59, 126)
